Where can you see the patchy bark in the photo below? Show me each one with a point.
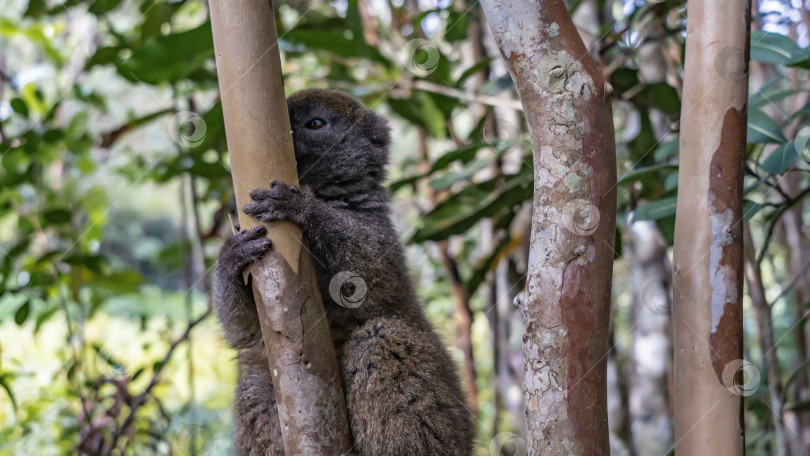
(565, 305)
(708, 255)
(294, 328)
(726, 251)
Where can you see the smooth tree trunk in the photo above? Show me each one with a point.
(301, 355)
(708, 257)
(565, 306)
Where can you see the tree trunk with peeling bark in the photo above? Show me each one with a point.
(566, 303)
(301, 355)
(708, 258)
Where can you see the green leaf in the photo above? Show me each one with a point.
(36, 8)
(659, 95)
(19, 106)
(487, 264)
(329, 41)
(104, 56)
(22, 313)
(795, 374)
(656, 210)
(6, 385)
(763, 129)
(750, 209)
(636, 174)
(120, 282)
(57, 216)
(404, 182)
(762, 98)
(671, 181)
(457, 24)
(645, 140)
(433, 116)
(799, 407)
(169, 58)
(464, 209)
(447, 180)
(779, 159)
(464, 154)
(100, 7)
(775, 48)
(44, 316)
(421, 110)
(94, 263)
(475, 68)
(666, 150)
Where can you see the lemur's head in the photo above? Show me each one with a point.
(337, 139)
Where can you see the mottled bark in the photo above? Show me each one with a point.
(296, 334)
(708, 258)
(566, 303)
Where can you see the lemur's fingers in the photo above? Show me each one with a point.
(245, 253)
(256, 232)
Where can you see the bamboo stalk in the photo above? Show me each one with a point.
(296, 334)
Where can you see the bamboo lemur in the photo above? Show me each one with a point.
(402, 391)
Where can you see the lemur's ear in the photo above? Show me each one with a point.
(379, 131)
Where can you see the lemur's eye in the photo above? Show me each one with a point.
(316, 124)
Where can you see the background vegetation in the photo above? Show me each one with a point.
(115, 192)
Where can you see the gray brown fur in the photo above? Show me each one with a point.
(403, 394)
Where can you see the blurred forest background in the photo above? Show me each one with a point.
(115, 193)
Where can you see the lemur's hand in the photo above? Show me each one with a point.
(279, 202)
(242, 249)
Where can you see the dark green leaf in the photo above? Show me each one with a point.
(762, 129)
(465, 154)
(104, 56)
(487, 264)
(761, 98)
(666, 150)
(795, 374)
(100, 7)
(779, 159)
(169, 58)
(404, 182)
(19, 106)
(750, 209)
(5, 383)
(775, 48)
(645, 141)
(659, 95)
(474, 202)
(457, 23)
(635, 174)
(22, 313)
(35, 9)
(57, 216)
(799, 407)
(324, 40)
(94, 263)
(120, 282)
(671, 181)
(655, 210)
(44, 316)
(475, 68)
